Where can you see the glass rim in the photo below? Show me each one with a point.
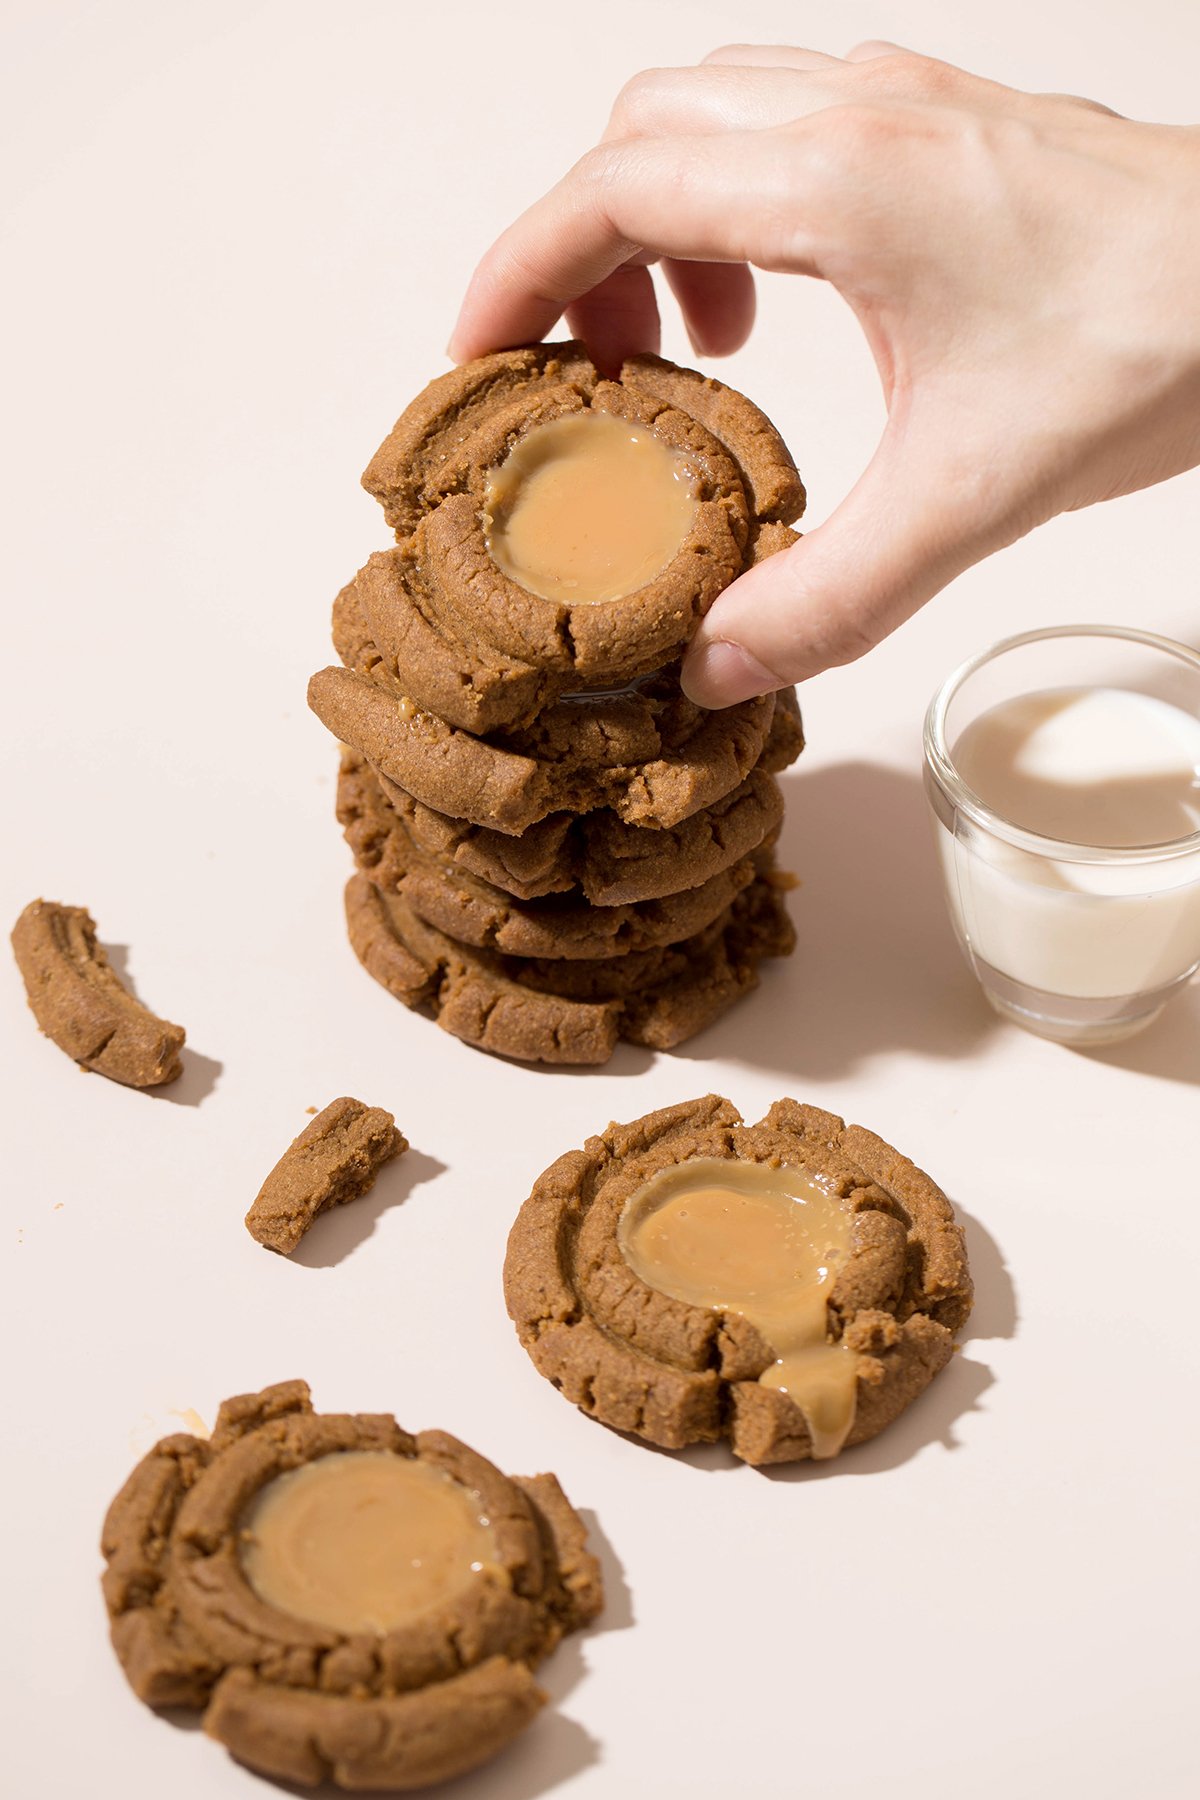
(940, 763)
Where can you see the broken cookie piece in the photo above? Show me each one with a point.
(334, 1160)
(82, 1006)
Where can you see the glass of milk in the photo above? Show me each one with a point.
(1062, 768)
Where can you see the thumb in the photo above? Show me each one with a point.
(909, 526)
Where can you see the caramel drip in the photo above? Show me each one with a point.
(766, 1242)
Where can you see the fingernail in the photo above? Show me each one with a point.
(721, 673)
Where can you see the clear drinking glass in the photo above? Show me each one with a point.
(1080, 944)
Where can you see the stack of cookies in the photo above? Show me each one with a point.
(557, 849)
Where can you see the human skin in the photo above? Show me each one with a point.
(1025, 268)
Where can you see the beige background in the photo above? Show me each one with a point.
(235, 238)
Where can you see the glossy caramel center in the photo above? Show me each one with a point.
(589, 507)
(766, 1242)
(364, 1541)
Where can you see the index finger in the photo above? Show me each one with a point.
(731, 198)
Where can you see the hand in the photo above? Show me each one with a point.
(1025, 267)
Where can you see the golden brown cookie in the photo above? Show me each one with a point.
(444, 591)
(380, 630)
(678, 1374)
(437, 443)
(427, 1698)
(447, 895)
(83, 1007)
(334, 1160)
(610, 861)
(612, 864)
(652, 757)
(566, 1011)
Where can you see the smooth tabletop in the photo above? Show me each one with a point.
(236, 239)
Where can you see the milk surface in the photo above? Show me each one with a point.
(1101, 767)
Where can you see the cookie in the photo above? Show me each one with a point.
(785, 740)
(380, 629)
(431, 475)
(431, 450)
(82, 1006)
(433, 1691)
(653, 760)
(445, 676)
(334, 1160)
(611, 863)
(677, 1373)
(567, 1012)
(446, 895)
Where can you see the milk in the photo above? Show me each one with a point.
(1106, 768)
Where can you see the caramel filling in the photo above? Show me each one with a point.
(364, 1540)
(743, 1237)
(589, 507)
